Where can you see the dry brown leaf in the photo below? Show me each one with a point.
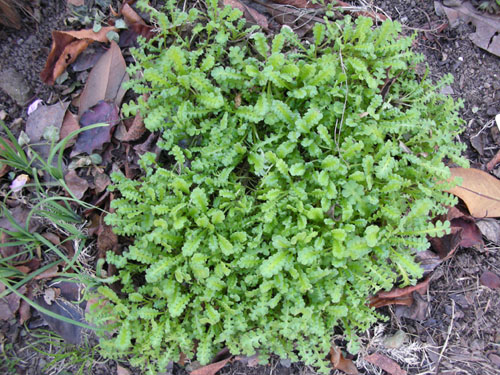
(52, 237)
(487, 34)
(418, 310)
(25, 308)
(69, 125)
(249, 13)
(211, 369)
(105, 80)
(479, 190)
(76, 184)
(48, 273)
(399, 296)
(385, 363)
(106, 240)
(66, 46)
(101, 182)
(10, 304)
(133, 132)
(131, 16)
(340, 363)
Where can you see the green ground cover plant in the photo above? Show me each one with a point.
(299, 178)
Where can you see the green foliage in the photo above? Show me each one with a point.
(301, 181)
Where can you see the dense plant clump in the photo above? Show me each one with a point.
(301, 180)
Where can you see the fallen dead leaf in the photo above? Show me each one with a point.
(94, 139)
(133, 132)
(479, 190)
(66, 46)
(130, 15)
(25, 308)
(385, 363)
(250, 14)
(211, 369)
(428, 261)
(69, 125)
(105, 80)
(101, 182)
(106, 240)
(340, 363)
(76, 184)
(490, 228)
(490, 280)
(487, 34)
(66, 307)
(471, 235)
(399, 296)
(418, 310)
(88, 58)
(39, 120)
(52, 237)
(48, 273)
(9, 305)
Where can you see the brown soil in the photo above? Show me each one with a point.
(460, 334)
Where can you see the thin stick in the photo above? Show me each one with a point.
(447, 336)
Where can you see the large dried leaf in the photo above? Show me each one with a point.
(105, 80)
(66, 46)
(399, 296)
(39, 120)
(94, 139)
(250, 14)
(487, 35)
(67, 302)
(479, 190)
(385, 363)
(212, 368)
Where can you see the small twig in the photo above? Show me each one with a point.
(447, 336)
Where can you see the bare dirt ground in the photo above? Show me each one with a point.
(459, 333)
